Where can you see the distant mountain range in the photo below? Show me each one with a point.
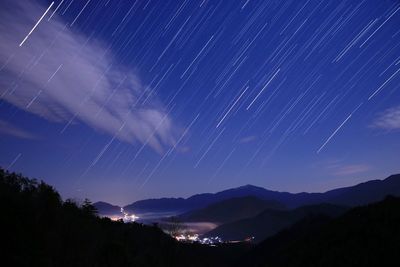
(363, 236)
(230, 210)
(43, 230)
(359, 194)
(106, 209)
(251, 211)
(181, 205)
(271, 221)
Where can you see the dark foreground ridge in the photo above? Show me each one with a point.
(364, 236)
(271, 221)
(39, 229)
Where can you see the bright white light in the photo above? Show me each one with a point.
(37, 23)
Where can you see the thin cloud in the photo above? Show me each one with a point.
(247, 139)
(339, 167)
(388, 120)
(7, 128)
(64, 76)
(351, 169)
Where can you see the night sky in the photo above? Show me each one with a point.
(125, 100)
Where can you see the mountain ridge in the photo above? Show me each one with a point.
(230, 210)
(363, 236)
(104, 208)
(271, 221)
(349, 196)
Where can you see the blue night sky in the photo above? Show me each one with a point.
(125, 100)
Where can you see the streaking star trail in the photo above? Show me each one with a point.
(124, 100)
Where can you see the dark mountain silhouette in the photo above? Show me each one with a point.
(360, 194)
(363, 236)
(194, 202)
(271, 221)
(365, 193)
(230, 210)
(39, 229)
(42, 230)
(158, 205)
(106, 209)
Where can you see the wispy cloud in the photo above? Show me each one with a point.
(388, 120)
(7, 128)
(338, 167)
(247, 139)
(64, 76)
(351, 169)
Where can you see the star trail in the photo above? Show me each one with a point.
(120, 100)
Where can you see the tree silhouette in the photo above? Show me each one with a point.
(174, 226)
(88, 207)
(42, 230)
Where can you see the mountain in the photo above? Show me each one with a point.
(230, 210)
(181, 205)
(107, 209)
(360, 194)
(365, 193)
(158, 205)
(363, 236)
(43, 230)
(271, 221)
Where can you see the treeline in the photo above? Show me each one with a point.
(364, 236)
(39, 229)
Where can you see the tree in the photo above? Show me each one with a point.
(88, 207)
(174, 226)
